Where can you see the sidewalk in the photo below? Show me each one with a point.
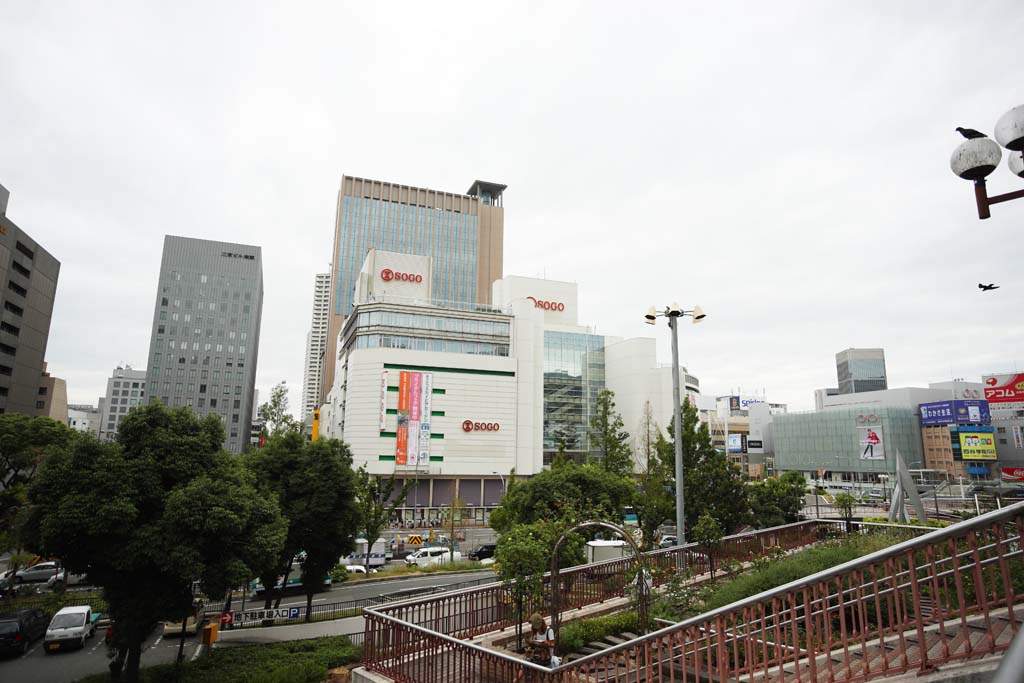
(300, 631)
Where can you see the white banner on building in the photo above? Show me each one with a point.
(1018, 442)
(871, 445)
(383, 400)
(414, 443)
(426, 388)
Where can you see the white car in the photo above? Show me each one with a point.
(63, 579)
(70, 627)
(427, 557)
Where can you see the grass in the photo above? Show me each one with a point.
(297, 661)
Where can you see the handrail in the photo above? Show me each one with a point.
(953, 531)
(1013, 661)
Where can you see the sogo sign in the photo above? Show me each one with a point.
(387, 275)
(547, 305)
(470, 426)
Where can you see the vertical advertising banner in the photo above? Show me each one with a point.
(1018, 443)
(871, 445)
(402, 433)
(383, 400)
(414, 418)
(426, 390)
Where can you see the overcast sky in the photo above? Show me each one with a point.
(783, 164)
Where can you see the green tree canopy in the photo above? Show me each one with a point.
(149, 515)
(777, 501)
(608, 438)
(521, 559)
(711, 484)
(275, 412)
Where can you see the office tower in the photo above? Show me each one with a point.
(316, 341)
(52, 397)
(861, 370)
(462, 233)
(126, 388)
(206, 331)
(28, 275)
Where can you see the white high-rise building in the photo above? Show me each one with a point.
(316, 343)
(126, 388)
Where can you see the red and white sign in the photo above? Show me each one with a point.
(387, 275)
(470, 426)
(1004, 388)
(547, 305)
(227, 618)
(1015, 474)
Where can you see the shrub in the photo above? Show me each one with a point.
(577, 633)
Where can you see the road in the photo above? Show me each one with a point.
(64, 667)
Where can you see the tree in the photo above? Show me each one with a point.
(521, 560)
(777, 501)
(454, 514)
(708, 535)
(844, 503)
(652, 501)
(711, 484)
(610, 440)
(149, 515)
(322, 517)
(571, 492)
(275, 412)
(376, 502)
(25, 443)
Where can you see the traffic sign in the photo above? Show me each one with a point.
(227, 618)
(414, 539)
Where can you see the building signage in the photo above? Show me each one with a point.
(954, 412)
(867, 419)
(870, 442)
(426, 391)
(977, 469)
(402, 433)
(752, 444)
(412, 445)
(734, 403)
(387, 275)
(261, 614)
(1004, 388)
(383, 400)
(470, 426)
(977, 446)
(735, 443)
(1013, 474)
(1018, 442)
(547, 305)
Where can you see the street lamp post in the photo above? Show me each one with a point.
(978, 156)
(673, 313)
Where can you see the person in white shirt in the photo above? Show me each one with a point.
(542, 641)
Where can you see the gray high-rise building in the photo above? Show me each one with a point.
(316, 345)
(126, 388)
(861, 370)
(28, 284)
(206, 331)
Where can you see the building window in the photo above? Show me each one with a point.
(42, 391)
(16, 310)
(4, 370)
(20, 269)
(24, 250)
(10, 329)
(1000, 430)
(8, 349)
(40, 404)
(213, 403)
(16, 288)
(1002, 441)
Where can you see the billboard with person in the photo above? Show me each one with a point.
(870, 443)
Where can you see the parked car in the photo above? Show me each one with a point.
(70, 627)
(18, 630)
(193, 625)
(428, 557)
(358, 569)
(667, 542)
(482, 552)
(37, 572)
(62, 580)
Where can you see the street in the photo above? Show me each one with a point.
(65, 667)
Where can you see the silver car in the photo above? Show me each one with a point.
(37, 572)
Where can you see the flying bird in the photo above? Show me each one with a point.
(988, 287)
(970, 133)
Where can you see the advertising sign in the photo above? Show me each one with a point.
(426, 390)
(1013, 474)
(1004, 388)
(402, 433)
(734, 403)
(977, 446)
(383, 400)
(871, 445)
(735, 443)
(936, 413)
(1017, 441)
(954, 412)
(760, 416)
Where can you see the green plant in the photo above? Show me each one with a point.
(339, 574)
(578, 632)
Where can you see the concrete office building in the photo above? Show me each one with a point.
(84, 418)
(206, 331)
(457, 395)
(52, 397)
(29, 277)
(861, 370)
(462, 233)
(126, 388)
(316, 344)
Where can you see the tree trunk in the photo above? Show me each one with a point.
(181, 641)
(117, 664)
(519, 624)
(309, 605)
(284, 584)
(132, 663)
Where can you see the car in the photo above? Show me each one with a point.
(355, 569)
(70, 627)
(18, 629)
(37, 572)
(193, 624)
(482, 552)
(428, 557)
(63, 579)
(667, 542)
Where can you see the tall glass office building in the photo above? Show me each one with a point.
(462, 233)
(861, 370)
(574, 374)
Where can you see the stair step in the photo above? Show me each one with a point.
(629, 636)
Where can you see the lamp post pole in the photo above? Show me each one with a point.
(677, 420)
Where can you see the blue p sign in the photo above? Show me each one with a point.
(293, 612)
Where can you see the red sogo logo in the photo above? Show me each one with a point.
(470, 426)
(547, 305)
(388, 275)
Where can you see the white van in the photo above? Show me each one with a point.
(428, 557)
(69, 627)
